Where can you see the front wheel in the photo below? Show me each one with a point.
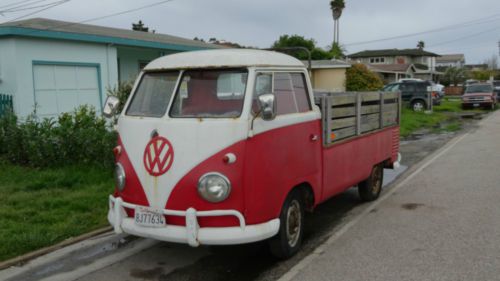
(289, 238)
(370, 188)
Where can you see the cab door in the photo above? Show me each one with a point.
(286, 151)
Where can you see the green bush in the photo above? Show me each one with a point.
(77, 138)
(122, 91)
(360, 78)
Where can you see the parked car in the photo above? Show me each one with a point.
(479, 95)
(417, 94)
(496, 88)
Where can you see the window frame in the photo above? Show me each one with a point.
(272, 72)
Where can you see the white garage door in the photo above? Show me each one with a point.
(62, 88)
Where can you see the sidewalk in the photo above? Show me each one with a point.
(441, 224)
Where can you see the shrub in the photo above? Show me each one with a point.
(122, 91)
(77, 138)
(360, 78)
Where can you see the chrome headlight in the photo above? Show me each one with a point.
(119, 176)
(214, 187)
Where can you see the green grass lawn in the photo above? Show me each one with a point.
(445, 117)
(39, 208)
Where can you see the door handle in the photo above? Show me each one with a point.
(313, 137)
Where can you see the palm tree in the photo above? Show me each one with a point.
(421, 45)
(337, 6)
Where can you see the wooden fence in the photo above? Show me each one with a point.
(355, 113)
(6, 104)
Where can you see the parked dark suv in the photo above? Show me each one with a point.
(417, 94)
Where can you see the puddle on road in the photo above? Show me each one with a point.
(411, 206)
(148, 274)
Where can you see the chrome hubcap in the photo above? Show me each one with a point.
(293, 223)
(418, 106)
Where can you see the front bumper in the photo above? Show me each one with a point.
(191, 234)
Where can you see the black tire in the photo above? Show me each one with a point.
(418, 105)
(287, 243)
(369, 189)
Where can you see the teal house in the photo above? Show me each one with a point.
(58, 65)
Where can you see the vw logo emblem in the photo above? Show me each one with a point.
(158, 156)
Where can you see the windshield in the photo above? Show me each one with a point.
(153, 94)
(479, 89)
(210, 93)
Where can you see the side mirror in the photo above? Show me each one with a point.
(110, 106)
(267, 104)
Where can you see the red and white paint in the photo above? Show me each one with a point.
(165, 157)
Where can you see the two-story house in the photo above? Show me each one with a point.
(451, 60)
(394, 64)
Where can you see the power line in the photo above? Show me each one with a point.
(125, 12)
(16, 3)
(465, 37)
(19, 9)
(100, 17)
(491, 18)
(55, 4)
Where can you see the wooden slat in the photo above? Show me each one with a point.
(389, 120)
(343, 122)
(343, 112)
(391, 107)
(343, 133)
(370, 126)
(343, 99)
(390, 95)
(370, 122)
(369, 109)
(370, 96)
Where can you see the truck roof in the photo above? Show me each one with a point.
(223, 58)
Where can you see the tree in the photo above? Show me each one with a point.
(287, 41)
(421, 45)
(337, 6)
(360, 78)
(454, 76)
(337, 51)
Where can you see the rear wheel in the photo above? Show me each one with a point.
(370, 188)
(289, 238)
(418, 105)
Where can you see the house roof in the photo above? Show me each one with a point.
(392, 52)
(391, 68)
(451, 58)
(54, 29)
(326, 64)
(224, 58)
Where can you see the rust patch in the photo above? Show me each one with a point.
(146, 273)
(411, 206)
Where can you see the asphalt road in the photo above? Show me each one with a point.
(109, 257)
(441, 223)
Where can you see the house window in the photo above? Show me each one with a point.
(377, 60)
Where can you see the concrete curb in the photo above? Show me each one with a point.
(32, 255)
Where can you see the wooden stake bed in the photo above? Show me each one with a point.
(351, 114)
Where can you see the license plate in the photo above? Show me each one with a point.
(476, 105)
(149, 217)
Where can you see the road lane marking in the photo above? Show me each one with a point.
(336, 234)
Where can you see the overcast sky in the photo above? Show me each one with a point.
(260, 22)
